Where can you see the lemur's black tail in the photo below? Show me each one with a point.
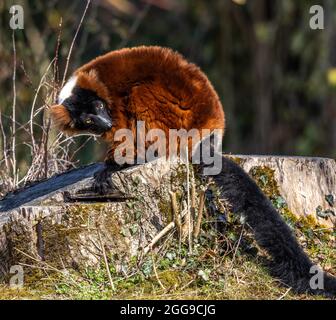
(289, 264)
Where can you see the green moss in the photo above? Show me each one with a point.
(165, 208)
(318, 241)
(172, 278)
(264, 177)
(58, 235)
(237, 160)
(67, 235)
(179, 175)
(6, 293)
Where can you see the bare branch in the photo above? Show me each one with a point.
(14, 172)
(73, 42)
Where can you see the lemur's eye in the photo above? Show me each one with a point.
(88, 121)
(99, 105)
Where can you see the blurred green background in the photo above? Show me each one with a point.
(274, 74)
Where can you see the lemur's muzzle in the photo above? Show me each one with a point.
(103, 120)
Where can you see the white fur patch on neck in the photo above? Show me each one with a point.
(67, 89)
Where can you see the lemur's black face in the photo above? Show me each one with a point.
(88, 112)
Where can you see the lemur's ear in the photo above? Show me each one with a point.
(90, 80)
(93, 74)
(61, 117)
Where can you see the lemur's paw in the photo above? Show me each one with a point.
(103, 183)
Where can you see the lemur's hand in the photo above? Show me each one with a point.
(103, 183)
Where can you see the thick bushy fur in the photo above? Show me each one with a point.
(151, 84)
(290, 264)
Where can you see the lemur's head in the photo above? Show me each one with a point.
(82, 105)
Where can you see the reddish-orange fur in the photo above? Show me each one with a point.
(152, 84)
(61, 118)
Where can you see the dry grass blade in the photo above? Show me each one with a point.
(236, 249)
(197, 228)
(188, 217)
(177, 217)
(105, 260)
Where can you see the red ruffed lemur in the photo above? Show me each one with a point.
(159, 87)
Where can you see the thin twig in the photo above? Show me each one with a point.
(32, 113)
(161, 234)
(73, 42)
(105, 261)
(4, 141)
(285, 294)
(187, 284)
(236, 249)
(45, 142)
(193, 192)
(188, 218)
(14, 113)
(155, 272)
(56, 73)
(177, 218)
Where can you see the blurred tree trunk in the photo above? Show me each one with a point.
(256, 25)
(262, 74)
(329, 110)
(225, 37)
